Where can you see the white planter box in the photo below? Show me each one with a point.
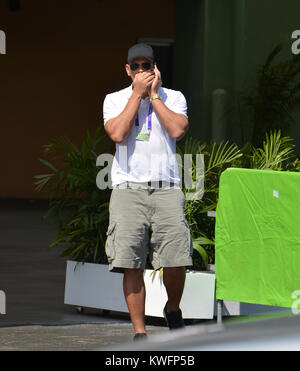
(92, 285)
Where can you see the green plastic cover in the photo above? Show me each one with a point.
(257, 236)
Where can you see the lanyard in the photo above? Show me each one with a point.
(137, 123)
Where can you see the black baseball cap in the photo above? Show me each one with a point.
(140, 50)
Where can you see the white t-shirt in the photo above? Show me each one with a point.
(141, 161)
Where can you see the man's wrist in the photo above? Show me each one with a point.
(137, 95)
(154, 96)
(153, 92)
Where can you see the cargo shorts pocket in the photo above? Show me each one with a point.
(110, 242)
(189, 240)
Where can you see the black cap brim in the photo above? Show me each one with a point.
(140, 50)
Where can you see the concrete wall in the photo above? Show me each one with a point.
(62, 58)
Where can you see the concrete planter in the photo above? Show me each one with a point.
(92, 285)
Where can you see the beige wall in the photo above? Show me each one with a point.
(62, 58)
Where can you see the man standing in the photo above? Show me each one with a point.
(147, 204)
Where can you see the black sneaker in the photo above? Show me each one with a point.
(139, 336)
(174, 319)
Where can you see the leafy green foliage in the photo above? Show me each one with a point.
(81, 208)
(217, 157)
(277, 153)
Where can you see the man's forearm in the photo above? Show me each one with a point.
(176, 124)
(119, 127)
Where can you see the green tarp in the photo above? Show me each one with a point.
(257, 236)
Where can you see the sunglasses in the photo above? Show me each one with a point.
(145, 66)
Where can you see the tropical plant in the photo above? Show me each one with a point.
(81, 208)
(277, 153)
(217, 157)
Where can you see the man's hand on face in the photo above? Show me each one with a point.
(142, 83)
(157, 83)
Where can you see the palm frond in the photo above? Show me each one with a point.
(275, 152)
(222, 154)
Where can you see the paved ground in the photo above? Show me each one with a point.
(67, 338)
(33, 277)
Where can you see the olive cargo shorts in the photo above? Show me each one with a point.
(147, 221)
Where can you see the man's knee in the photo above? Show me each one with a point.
(174, 270)
(133, 281)
(133, 272)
